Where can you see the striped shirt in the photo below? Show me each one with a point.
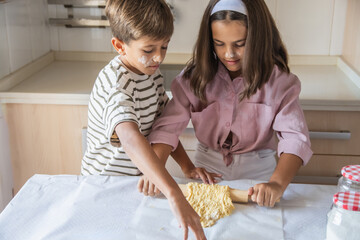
(119, 95)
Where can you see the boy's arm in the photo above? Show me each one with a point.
(140, 152)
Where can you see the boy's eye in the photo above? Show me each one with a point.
(147, 51)
(164, 48)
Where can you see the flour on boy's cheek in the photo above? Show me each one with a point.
(157, 59)
(148, 62)
(144, 61)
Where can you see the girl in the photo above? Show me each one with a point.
(238, 91)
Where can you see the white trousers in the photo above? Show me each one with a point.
(258, 165)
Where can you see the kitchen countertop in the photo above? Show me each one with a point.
(110, 207)
(327, 82)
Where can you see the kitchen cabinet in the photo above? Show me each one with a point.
(6, 178)
(45, 139)
(330, 155)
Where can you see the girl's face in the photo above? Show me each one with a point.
(229, 38)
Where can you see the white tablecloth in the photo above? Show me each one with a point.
(103, 207)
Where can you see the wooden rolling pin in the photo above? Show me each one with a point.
(236, 195)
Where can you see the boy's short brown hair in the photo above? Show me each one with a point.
(132, 19)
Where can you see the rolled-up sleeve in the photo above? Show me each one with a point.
(290, 124)
(120, 108)
(174, 118)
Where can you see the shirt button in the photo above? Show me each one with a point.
(227, 124)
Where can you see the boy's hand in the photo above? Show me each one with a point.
(147, 187)
(201, 173)
(187, 217)
(266, 194)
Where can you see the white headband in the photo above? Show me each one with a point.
(232, 5)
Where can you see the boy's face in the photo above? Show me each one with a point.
(143, 56)
(229, 43)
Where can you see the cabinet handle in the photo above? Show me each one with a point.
(341, 135)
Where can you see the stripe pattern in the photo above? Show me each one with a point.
(119, 95)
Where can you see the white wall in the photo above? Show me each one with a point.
(25, 34)
(4, 46)
(79, 39)
(308, 27)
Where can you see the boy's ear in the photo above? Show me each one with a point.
(118, 45)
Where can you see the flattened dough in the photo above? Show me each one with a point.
(211, 202)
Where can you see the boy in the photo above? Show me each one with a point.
(130, 88)
(127, 96)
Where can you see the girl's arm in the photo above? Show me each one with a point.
(140, 152)
(188, 168)
(294, 141)
(265, 194)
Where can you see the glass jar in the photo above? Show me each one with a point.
(350, 180)
(344, 217)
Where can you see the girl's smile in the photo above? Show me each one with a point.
(232, 62)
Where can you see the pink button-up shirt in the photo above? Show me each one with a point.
(252, 122)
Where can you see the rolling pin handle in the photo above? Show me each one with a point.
(239, 195)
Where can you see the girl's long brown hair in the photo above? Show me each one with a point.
(263, 49)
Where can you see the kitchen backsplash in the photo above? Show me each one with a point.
(24, 33)
(308, 28)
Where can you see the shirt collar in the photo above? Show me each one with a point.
(224, 73)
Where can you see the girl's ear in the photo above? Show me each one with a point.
(118, 45)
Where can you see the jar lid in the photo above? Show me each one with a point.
(348, 200)
(351, 172)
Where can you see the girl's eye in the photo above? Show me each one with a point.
(218, 44)
(240, 45)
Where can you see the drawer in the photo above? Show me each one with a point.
(333, 125)
(327, 165)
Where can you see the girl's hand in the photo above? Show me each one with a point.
(266, 194)
(201, 173)
(147, 187)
